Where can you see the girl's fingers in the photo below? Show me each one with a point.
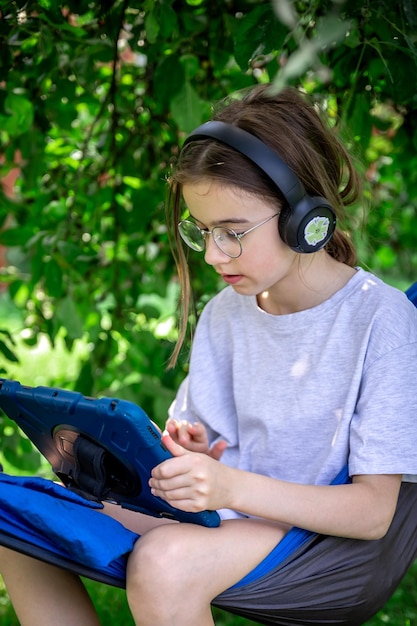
(171, 445)
(179, 431)
(191, 436)
(217, 449)
(198, 432)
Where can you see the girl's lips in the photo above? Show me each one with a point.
(232, 279)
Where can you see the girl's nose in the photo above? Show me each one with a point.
(213, 255)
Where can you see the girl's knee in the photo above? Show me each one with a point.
(154, 559)
(161, 566)
(151, 567)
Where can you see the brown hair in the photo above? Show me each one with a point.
(291, 126)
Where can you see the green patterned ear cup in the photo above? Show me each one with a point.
(316, 230)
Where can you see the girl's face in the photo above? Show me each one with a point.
(266, 266)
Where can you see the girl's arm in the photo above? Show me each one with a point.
(361, 510)
(193, 482)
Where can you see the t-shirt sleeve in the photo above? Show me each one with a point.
(383, 434)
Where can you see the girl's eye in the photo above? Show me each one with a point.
(225, 233)
(220, 235)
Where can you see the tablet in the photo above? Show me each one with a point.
(102, 448)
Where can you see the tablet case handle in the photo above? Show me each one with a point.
(96, 474)
(89, 473)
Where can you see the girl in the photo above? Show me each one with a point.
(303, 365)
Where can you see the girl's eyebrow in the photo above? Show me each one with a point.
(232, 220)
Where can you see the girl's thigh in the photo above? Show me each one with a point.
(133, 520)
(208, 559)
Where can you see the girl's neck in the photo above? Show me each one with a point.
(315, 278)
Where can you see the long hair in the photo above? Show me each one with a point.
(290, 125)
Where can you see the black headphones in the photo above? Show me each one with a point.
(310, 221)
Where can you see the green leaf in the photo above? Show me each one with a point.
(53, 279)
(16, 236)
(168, 79)
(85, 382)
(7, 353)
(132, 181)
(151, 28)
(67, 314)
(19, 115)
(258, 32)
(353, 37)
(187, 108)
(168, 20)
(361, 121)
(329, 31)
(191, 65)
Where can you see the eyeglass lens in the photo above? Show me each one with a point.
(192, 235)
(224, 238)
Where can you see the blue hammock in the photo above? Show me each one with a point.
(47, 521)
(43, 519)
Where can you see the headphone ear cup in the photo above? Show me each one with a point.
(308, 226)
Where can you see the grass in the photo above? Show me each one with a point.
(40, 368)
(112, 607)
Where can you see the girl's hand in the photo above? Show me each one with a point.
(190, 481)
(193, 437)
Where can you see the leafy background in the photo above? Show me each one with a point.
(96, 97)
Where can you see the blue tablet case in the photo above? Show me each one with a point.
(103, 449)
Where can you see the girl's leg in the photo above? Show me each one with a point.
(44, 595)
(175, 572)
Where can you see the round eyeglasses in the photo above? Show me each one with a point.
(226, 239)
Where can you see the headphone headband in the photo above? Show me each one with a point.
(257, 152)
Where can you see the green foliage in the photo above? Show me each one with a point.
(95, 99)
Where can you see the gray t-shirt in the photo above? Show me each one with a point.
(298, 396)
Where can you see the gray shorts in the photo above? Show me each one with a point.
(331, 580)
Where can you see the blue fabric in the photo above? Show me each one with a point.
(411, 293)
(52, 517)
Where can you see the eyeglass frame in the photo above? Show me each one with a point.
(205, 232)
